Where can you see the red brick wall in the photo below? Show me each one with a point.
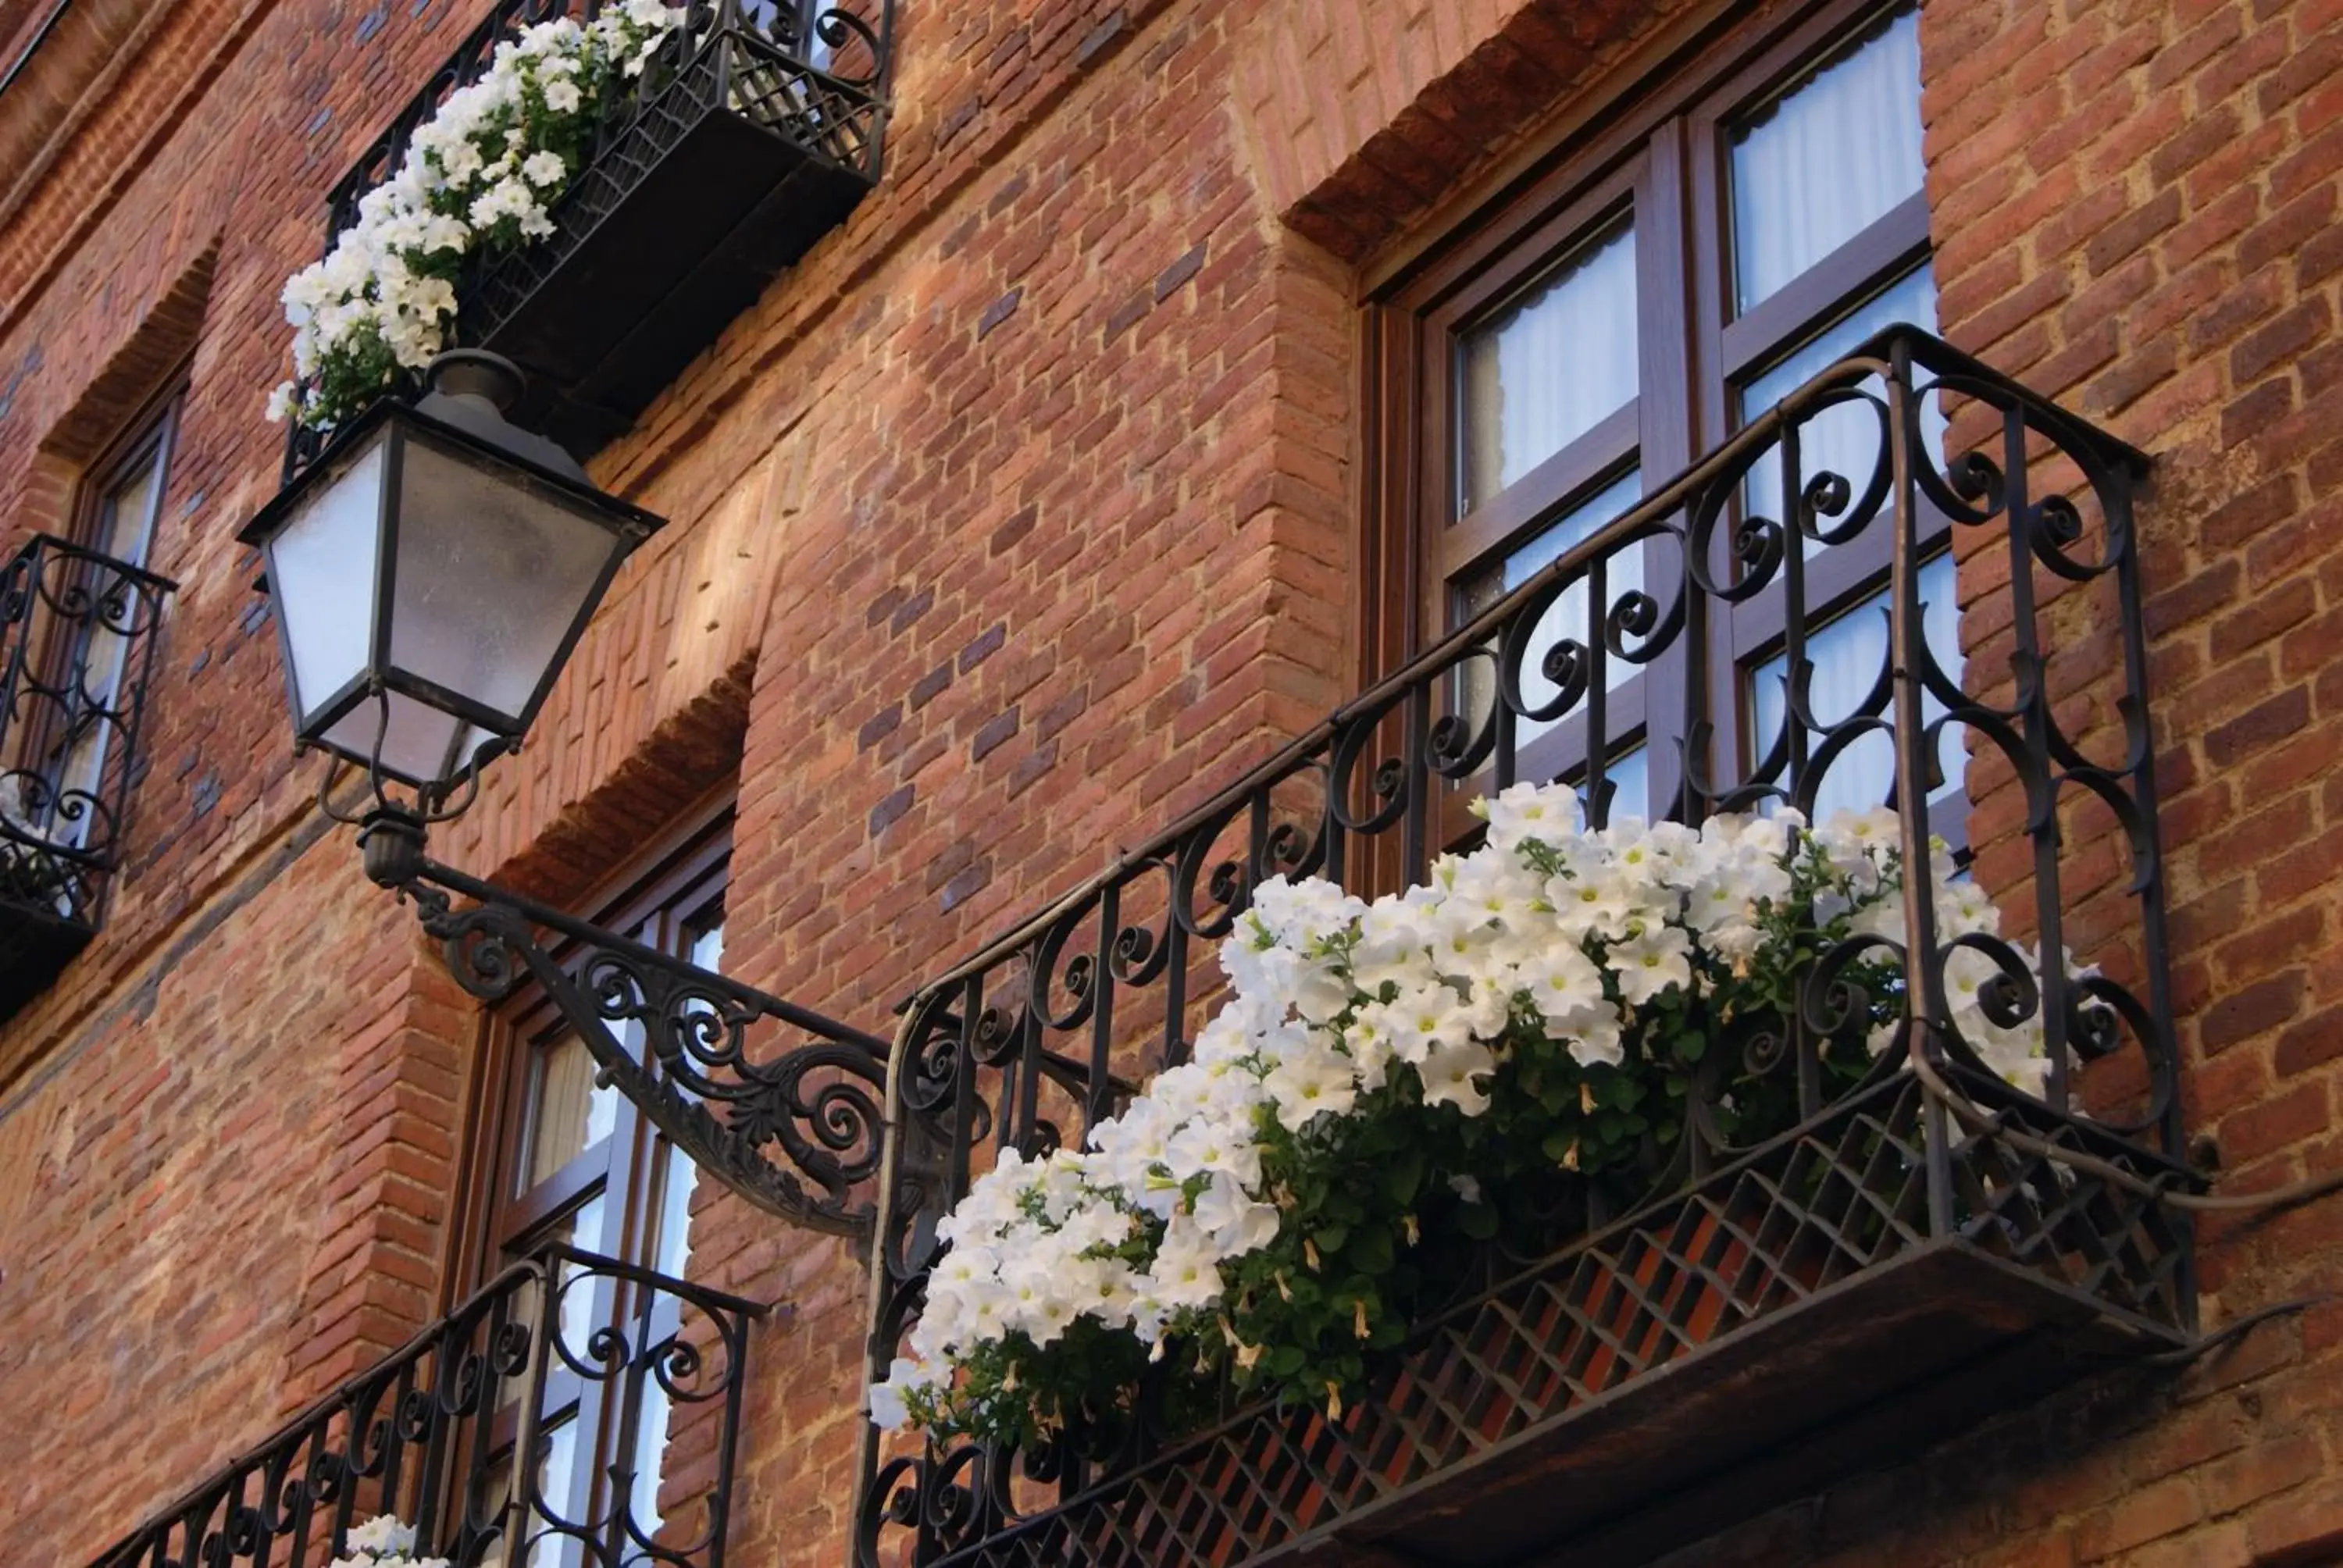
(1017, 514)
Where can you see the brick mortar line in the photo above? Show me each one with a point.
(230, 43)
(43, 1063)
(686, 422)
(83, 113)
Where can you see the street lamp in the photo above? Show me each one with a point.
(430, 572)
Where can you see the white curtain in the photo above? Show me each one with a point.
(1551, 369)
(1826, 159)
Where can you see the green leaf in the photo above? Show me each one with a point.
(1404, 1177)
(1477, 1220)
(1330, 1238)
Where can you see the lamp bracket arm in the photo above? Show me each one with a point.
(798, 1133)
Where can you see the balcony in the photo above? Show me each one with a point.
(1730, 1320)
(76, 643)
(755, 130)
(551, 1417)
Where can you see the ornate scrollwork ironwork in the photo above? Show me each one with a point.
(77, 636)
(452, 1434)
(796, 1132)
(1037, 1035)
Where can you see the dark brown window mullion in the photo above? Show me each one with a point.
(1669, 437)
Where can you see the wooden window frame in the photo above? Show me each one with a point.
(149, 440)
(660, 900)
(1659, 149)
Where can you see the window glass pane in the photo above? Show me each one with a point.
(1846, 655)
(1630, 775)
(583, 1307)
(127, 518)
(1549, 368)
(670, 1251)
(649, 1458)
(557, 1489)
(1829, 157)
(568, 1112)
(1842, 439)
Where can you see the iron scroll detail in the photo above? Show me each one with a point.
(797, 1132)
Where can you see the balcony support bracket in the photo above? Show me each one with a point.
(797, 1132)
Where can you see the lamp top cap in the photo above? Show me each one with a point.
(472, 389)
(476, 373)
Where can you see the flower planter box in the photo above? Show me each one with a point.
(719, 183)
(36, 941)
(753, 131)
(1803, 1315)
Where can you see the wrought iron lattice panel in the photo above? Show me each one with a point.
(1809, 1248)
(1639, 640)
(480, 1433)
(77, 635)
(751, 133)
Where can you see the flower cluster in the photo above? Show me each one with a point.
(1391, 1073)
(481, 175)
(383, 1542)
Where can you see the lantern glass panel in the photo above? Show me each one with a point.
(321, 566)
(494, 568)
(420, 744)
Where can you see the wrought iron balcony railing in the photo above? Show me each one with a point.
(532, 1425)
(753, 132)
(77, 633)
(1735, 1322)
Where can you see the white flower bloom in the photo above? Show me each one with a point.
(1186, 1272)
(904, 1377)
(1206, 1147)
(1593, 904)
(1452, 1076)
(382, 1534)
(1307, 1088)
(1595, 1039)
(1565, 986)
(1236, 1223)
(1423, 1019)
(1651, 963)
(1542, 812)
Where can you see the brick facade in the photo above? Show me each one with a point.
(1020, 514)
